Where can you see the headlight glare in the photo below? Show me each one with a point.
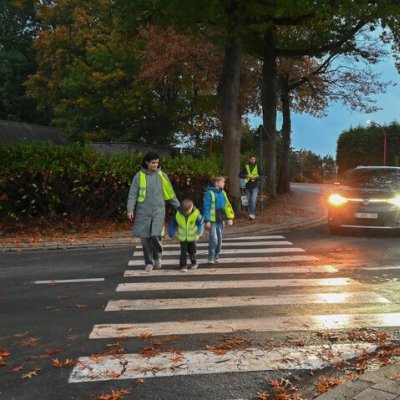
(395, 201)
(336, 200)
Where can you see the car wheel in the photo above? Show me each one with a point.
(333, 229)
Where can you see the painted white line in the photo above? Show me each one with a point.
(241, 260)
(381, 268)
(233, 251)
(292, 269)
(246, 238)
(244, 301)
(241, 284)
(68, 281)
(231, 244)
(134, 366)
(288, 323)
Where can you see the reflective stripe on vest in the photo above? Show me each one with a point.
(168, 191)
(187, 228)
(253, 174)
(228, 207)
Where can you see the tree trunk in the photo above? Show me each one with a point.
(284, 169)
(230, 114)
(269, 103)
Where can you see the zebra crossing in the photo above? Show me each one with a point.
(246, 264)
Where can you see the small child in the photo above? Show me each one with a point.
(190, 225)
(216, 209)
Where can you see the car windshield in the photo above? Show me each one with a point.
(374, 178)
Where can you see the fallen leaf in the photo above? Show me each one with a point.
(139, 380)
(62, 364)
(81, 305)
(145, 335)
(32, 341)
(29, 374)
(16, 369)
(113, 374)
(115, 395)
(4, 353)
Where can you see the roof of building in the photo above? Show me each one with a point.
(11, 132)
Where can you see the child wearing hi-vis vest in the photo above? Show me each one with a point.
(190, 225)
(217, 209)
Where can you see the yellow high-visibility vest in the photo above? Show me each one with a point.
(168, 191)
(228, 207)
(187, 228)
(253, 173)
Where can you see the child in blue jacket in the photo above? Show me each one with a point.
(217, 209)
(190, 225)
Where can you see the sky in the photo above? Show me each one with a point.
(320, 134)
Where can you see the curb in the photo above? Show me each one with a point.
(382, 384)
(130, 241)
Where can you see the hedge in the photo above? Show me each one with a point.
(44, 179)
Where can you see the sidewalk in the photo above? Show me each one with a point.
(383, 384)
(295, 211)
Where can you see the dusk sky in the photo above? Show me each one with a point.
(320, 134)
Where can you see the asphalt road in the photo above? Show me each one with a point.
(288, 288)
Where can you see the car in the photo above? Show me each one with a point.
(367, 198)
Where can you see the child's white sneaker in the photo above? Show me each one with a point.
(157, 263)
(184, 268)
(194, 266)
(148, 268)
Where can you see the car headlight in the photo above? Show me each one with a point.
(395, 200)
(336, 200)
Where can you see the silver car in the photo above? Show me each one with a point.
(368, 197)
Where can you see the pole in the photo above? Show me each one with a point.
(384, 147)
(262, 169)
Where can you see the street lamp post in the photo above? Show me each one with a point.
(373, 123)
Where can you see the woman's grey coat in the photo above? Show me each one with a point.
(150, 214)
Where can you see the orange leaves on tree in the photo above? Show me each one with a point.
(115, 395)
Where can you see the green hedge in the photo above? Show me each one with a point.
(364, 146)
(74, 181)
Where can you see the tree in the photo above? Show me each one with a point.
(18, 26)
(282, 29)
(307, 85)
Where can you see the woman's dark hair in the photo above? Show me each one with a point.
(149, 157)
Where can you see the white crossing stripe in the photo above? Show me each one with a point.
(241, 284)
(246, 238)
(288, 323)
(233, 251)
(67, 281)
(231, 244)
(244, 301)
(381, 268)
(292, 269)
(134, 366)
(242, 260)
